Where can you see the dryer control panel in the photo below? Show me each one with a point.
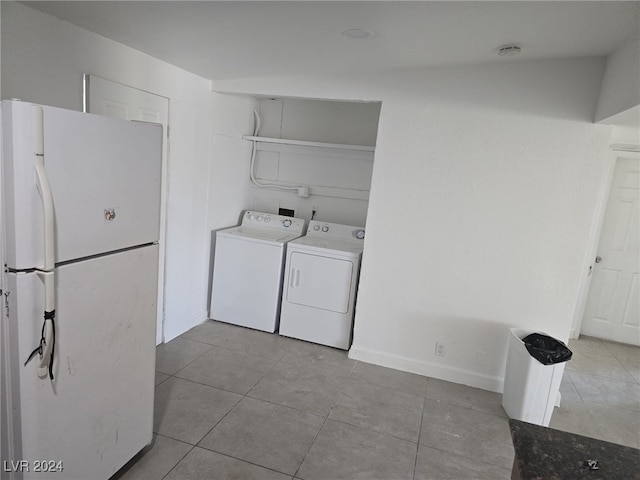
(335, 230)
(273, 222)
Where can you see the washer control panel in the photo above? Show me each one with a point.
(335, 230)
(272, 221)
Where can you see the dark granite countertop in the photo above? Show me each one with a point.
(547, 454)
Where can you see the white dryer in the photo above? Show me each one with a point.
(248, 268)
(321, 278)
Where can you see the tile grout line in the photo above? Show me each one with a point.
(573, 385)
(184, 379)
(241, 460)
(185, 366)
(474, 459)
(424, 403)
(637, 380)
(596, 375)
(220, 420)
(181, 459)
(211, 347)
(243, 396)
(246, 395)
(175, 375)
(231, 349)
(306, 453)
(470, 407)
(612, 352)
(589, 372)
(617, 357)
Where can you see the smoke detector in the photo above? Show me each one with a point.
(509, 50)
(357, 33)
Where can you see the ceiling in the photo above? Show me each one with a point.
(237, 39)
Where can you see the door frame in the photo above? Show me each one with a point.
(164, 197)
(616, 152)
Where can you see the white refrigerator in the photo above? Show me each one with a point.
(80, 225)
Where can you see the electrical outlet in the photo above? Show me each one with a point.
(439, 349)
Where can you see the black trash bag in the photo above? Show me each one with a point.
(547, 350)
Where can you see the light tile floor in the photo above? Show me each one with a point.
(600, 392)
(238, 403)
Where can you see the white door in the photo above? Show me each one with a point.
(613, 307)
(4, 448)
(105, 182)
(112, 99)
(320, 282)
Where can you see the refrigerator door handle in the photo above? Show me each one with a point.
(47, 341)
(44, 188)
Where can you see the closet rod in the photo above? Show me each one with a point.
(364, 148)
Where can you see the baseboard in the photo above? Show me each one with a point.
(428, 369)
(173, 331)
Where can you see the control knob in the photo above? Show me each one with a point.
(316, 227)
(325, 228)
(286, 223)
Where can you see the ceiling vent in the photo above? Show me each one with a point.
(509, 50)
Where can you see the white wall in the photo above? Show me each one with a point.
(43, 60)
(229, 192)
(482, 204)
(620, 89)
(229, 169)
(351, 123)
(338, 180)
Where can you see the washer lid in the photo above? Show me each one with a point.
(338, 246)
(276, 236)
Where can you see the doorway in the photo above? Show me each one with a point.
(612, 310)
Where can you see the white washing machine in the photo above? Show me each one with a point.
(320, 282)
(248, 267)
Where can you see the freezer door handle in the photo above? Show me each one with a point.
(44, 188)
